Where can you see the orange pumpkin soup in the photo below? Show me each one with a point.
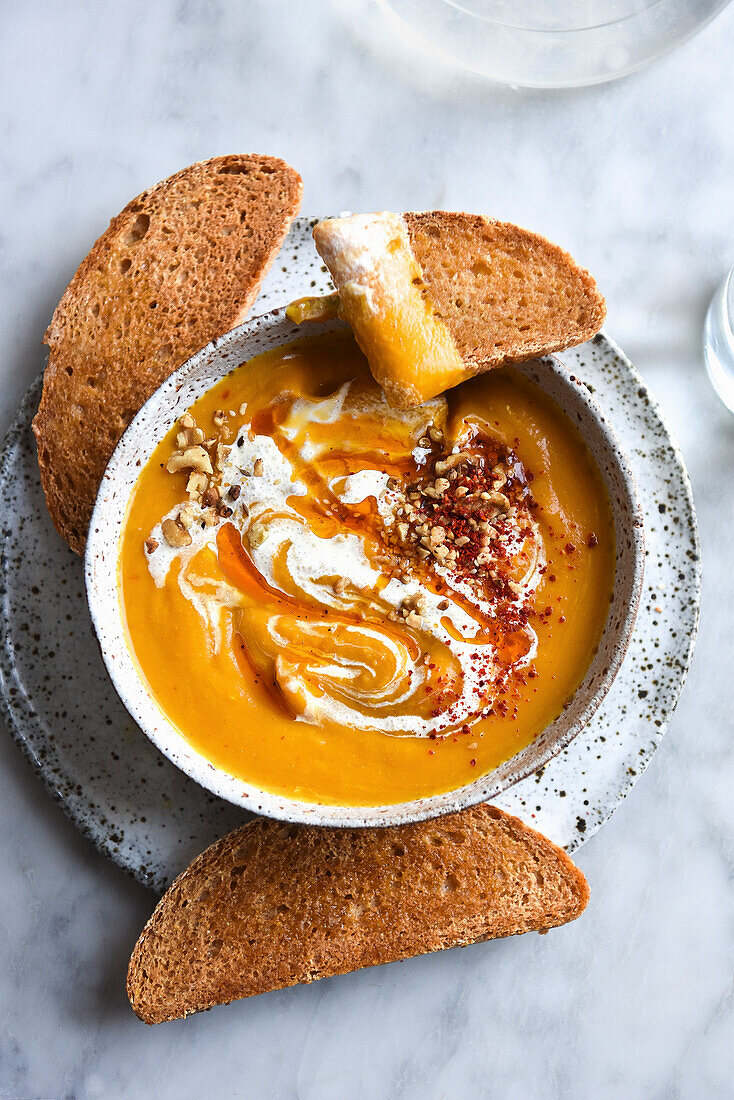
(346, 603)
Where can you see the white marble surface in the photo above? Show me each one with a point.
(634, 1000)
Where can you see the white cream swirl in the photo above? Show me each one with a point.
(343, 660)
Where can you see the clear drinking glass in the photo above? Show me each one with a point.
(718, 341)
(553, 43)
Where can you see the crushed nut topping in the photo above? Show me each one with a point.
(221, 456)
(455, 514)
(192, 458)
(451, 462)
(175, 533)
(186, 516)
(196, 484)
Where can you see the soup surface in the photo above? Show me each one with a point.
(345, 603)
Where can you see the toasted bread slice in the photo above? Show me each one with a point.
(450, 295)
(180, 265)
(272, 905)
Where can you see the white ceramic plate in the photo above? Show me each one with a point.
(149, 817)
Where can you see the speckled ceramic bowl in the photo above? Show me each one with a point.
(137, 444)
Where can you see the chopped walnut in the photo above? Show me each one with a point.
(186, 516)
(151, 544)
(452, 461)
(188, 434)
(500, 476)
(174, 533)
(499, 500)
(196, 484)
(193, 458)
(222, 453)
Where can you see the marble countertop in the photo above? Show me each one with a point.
(635, 178)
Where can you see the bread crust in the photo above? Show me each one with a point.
(180, 265)
(272, 905)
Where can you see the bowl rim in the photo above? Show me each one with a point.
(101, 579)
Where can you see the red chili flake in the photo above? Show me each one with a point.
(592, 541)
(473, 762)
(561, 618)
(552, 577)
(570, 548)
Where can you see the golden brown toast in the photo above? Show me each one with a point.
(271, 905)
(180, 265)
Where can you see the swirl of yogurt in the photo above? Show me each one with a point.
(328, 634)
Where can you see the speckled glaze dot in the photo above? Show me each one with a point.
(151, 819)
